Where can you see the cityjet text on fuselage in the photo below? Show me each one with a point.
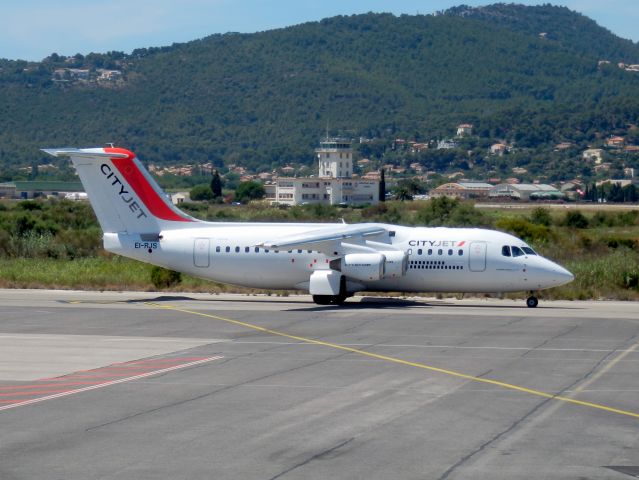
(124, 194)
(436, 243)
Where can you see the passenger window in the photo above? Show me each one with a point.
(299, 251)
(517, 251)
(450, 251)
(217, 249)
(460, 252)
(257, 249)
(528, 250)
(419, 252)
(247, 249)
(505, 251)
(227, 249)
(430, 251)
(440, 251)
(237, 249)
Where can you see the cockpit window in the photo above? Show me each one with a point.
(528, 250)
(517, 251)
(505, 251)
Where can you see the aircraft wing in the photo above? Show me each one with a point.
(326, 239)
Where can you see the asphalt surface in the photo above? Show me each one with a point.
(147, 386)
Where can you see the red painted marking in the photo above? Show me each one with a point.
(36, 392)
(52, 394)
(160, 360)
(107, 375)
(149, 196)
(461, 244)
(42, 385)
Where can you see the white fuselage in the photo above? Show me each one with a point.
(439, 259)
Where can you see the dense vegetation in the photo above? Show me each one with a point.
(262, 100)
(57, 243)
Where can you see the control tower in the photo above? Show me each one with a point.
(335, 157)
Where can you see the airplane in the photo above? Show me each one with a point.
(332, 261)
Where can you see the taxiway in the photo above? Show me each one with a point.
(147, 385)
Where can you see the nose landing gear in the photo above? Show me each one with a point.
(532, 302)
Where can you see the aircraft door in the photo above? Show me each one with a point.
(477, 262)
(201, 248)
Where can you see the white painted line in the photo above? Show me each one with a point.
(107, 384)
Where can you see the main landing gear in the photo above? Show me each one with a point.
(532, 302)
(329, 299)
(333, 299)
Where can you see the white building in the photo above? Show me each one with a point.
(335, 184)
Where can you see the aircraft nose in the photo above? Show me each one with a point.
(557, 275)
(547, 274)
(563, 276)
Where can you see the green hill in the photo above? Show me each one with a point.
(263, 99)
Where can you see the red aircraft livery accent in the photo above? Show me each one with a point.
(134, 177)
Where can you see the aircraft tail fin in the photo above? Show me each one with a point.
(123, 194)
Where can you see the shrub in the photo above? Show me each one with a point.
(437, 211)
(466, 215)
(247, 191)
(616, 242)
(201, 192)
(164, 278)
(541, 216)
(524, 229)
(575, 219)
(630, 279)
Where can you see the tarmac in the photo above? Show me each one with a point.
(130, 385)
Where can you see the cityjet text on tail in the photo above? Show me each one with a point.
(330, 261)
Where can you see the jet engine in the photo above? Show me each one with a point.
(372, 266)
(396, 264)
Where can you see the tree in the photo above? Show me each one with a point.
(615, 194)
(630, 193)
(201, 192)
(216, 185)
(407, 188)
(247, 191)
(437, 211)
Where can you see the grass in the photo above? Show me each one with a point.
(100, 273)
(610, 276)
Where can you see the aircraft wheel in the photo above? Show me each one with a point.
(338, 299)
(532, 302)
(329, 299)
(323, 299)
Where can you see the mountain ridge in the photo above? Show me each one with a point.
(263, 99)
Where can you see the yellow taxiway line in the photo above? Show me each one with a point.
(453, 373)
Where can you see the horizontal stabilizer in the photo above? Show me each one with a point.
(76, 152)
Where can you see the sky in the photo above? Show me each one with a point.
(33, 29)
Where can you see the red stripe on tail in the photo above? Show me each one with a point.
(134, 177)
